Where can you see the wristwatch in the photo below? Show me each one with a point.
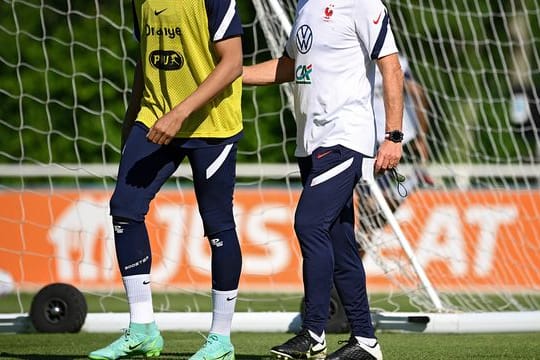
(394, 136)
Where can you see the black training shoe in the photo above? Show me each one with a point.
(302, 346)
(354, 350)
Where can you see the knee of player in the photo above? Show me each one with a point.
(125, 208)
(217, 222)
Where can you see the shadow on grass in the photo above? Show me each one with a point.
(163, 356)
(5, 355)
(186, 356)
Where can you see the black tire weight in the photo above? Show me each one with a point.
(58, 308)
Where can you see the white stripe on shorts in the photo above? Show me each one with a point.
(332, 172)
(211, 170)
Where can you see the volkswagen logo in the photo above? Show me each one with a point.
(304, 39)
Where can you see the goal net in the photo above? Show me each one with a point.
(471, 214)
(465, 239)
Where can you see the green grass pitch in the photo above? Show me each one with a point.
(255, 346)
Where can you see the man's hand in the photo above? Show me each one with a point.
(166, 128)
(388, 156)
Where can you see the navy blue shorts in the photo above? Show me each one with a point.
(146, 166)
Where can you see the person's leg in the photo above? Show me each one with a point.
(328, 177)
(350, 283)
(144, 167)
(349, 274)
(214, 173)
(328, 189)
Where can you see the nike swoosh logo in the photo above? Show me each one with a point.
(376, 21)
(317, 348)
(374, 346)
(224, 356)
(232, 298)
(370, 349)
(321, 155)
(131, 347)
(156, 12)
(146, 282)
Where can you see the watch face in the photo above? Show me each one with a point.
(395, 136)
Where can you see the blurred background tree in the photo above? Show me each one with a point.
(67, 70)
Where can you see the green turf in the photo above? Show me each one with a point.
(183, 302)
(178, 302)
(255, 346)
(200, 302)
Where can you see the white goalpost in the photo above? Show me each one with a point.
(459, 253)
(277, 24)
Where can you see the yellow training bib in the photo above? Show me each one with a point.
(177, 55)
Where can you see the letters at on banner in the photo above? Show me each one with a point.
(462, 239)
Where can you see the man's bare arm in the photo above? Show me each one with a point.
(275, 71)
(392, 75)
(390, 152)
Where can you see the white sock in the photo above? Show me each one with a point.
(139, 295)
(320, 339)
(223, 303)
(367, 341)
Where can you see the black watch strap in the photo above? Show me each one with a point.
(394, 136)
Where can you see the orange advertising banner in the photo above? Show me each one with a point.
(476, 239)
